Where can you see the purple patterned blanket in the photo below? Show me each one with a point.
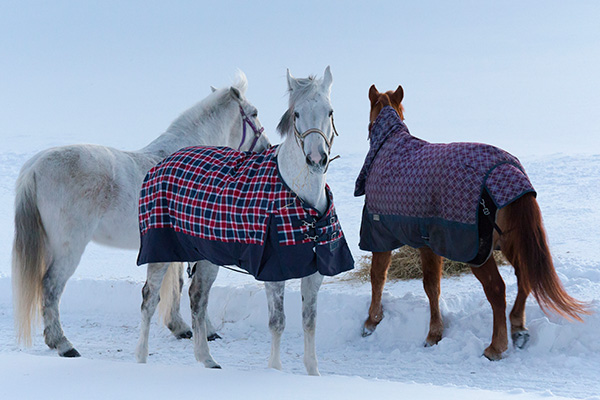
(232, 208)
(444, 196)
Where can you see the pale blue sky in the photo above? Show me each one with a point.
(523, 75)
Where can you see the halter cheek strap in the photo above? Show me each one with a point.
(257, 132)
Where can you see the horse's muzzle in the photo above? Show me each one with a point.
(317, 163)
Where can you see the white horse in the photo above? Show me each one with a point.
(68, 196)
(302, 160)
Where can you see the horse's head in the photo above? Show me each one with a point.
(310, 118)
(230, 107)
(248, 134)
(389, 98)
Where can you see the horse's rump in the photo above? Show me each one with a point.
(232, 208)
(444, 196)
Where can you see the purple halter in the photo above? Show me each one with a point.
(257, 132)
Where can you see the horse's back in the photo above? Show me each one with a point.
(430, 194)
(421, 179)
(87, 190)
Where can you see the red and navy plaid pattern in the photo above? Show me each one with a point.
(407, 176)
(221, 194)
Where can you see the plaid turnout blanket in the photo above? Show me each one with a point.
(233, 208)
(444, 196)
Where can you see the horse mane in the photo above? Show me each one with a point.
(398, 107)
(207, 107)
(401, 111)
(307, 87)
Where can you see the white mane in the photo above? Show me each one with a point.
(207, 107)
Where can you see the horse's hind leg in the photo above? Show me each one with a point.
(170, 301)
(151, 297)
(380, 264)
(205, 275)
(275, 292)
(310, 288)
(211, 332)
(518, 329)
(431, 264)
(494, 289)
(53, 283)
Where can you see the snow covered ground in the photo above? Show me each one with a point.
(100, 314)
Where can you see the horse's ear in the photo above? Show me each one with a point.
(373, 94)
(213, 89)
(327, 78)
(292, 83)
(398, 95)
(235, 93)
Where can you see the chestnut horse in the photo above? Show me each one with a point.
(515, 228)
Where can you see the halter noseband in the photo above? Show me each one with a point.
(257, 132)
(303, 135)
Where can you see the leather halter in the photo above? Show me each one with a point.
(257, 132)
(303, 135)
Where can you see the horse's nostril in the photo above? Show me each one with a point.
(323, 161)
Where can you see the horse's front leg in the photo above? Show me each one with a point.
(309, 289)
(150, 294)
(203, 278)
(275, 292)
(431, 264)
(380, 263)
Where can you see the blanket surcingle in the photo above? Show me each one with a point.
(444, 196)
(233, 208)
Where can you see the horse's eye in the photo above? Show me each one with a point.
(296, 114)
(255, 114)
(331, 113)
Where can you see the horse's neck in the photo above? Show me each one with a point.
(213, 129)
(310, 187)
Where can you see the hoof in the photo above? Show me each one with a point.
(213, 337)
(185, 335)
(368, 330)
(520, 339)
(371, 323)
(492, 356)
(72, 353)
(432, 340)
(212, 364)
